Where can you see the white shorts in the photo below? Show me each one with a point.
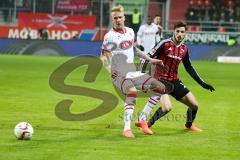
(133, 79)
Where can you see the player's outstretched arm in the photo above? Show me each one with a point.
(146, 57)
(105, 61)
(192, 72)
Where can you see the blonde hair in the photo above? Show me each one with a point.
(118, 8)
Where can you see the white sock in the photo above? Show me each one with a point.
(130, 102)
(152, 102)
(128, 112)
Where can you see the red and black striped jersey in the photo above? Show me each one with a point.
(171, 55)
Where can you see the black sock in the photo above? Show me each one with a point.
(191, 115)
(157, 115)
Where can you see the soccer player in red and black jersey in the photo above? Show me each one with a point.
(172, 51)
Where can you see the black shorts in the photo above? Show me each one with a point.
(179, 91)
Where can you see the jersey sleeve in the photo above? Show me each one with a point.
(191, 71)
(105, 43)
(157, 49)
(108, 43)
(132, 33)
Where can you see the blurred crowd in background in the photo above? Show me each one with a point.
(213, 12)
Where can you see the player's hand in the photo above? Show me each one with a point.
(156, 61)
(208, 87)
(141, 47)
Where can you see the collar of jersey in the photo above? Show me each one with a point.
(120, 31)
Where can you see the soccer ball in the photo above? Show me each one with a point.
(23, 131)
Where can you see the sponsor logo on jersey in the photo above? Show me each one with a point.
(175, 57)
(149, 33)
(126, 44)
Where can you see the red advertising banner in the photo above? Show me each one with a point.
(56, 21)
(73, 5)
(22, 33)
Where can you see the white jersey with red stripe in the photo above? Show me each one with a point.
(122, 42)
(120, 47)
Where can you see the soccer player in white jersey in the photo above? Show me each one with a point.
(117, 57)
(157, 22)
(146, 35)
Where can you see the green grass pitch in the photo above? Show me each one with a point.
(25, 95)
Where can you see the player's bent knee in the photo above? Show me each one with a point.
(132, 91)
(159, 89)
